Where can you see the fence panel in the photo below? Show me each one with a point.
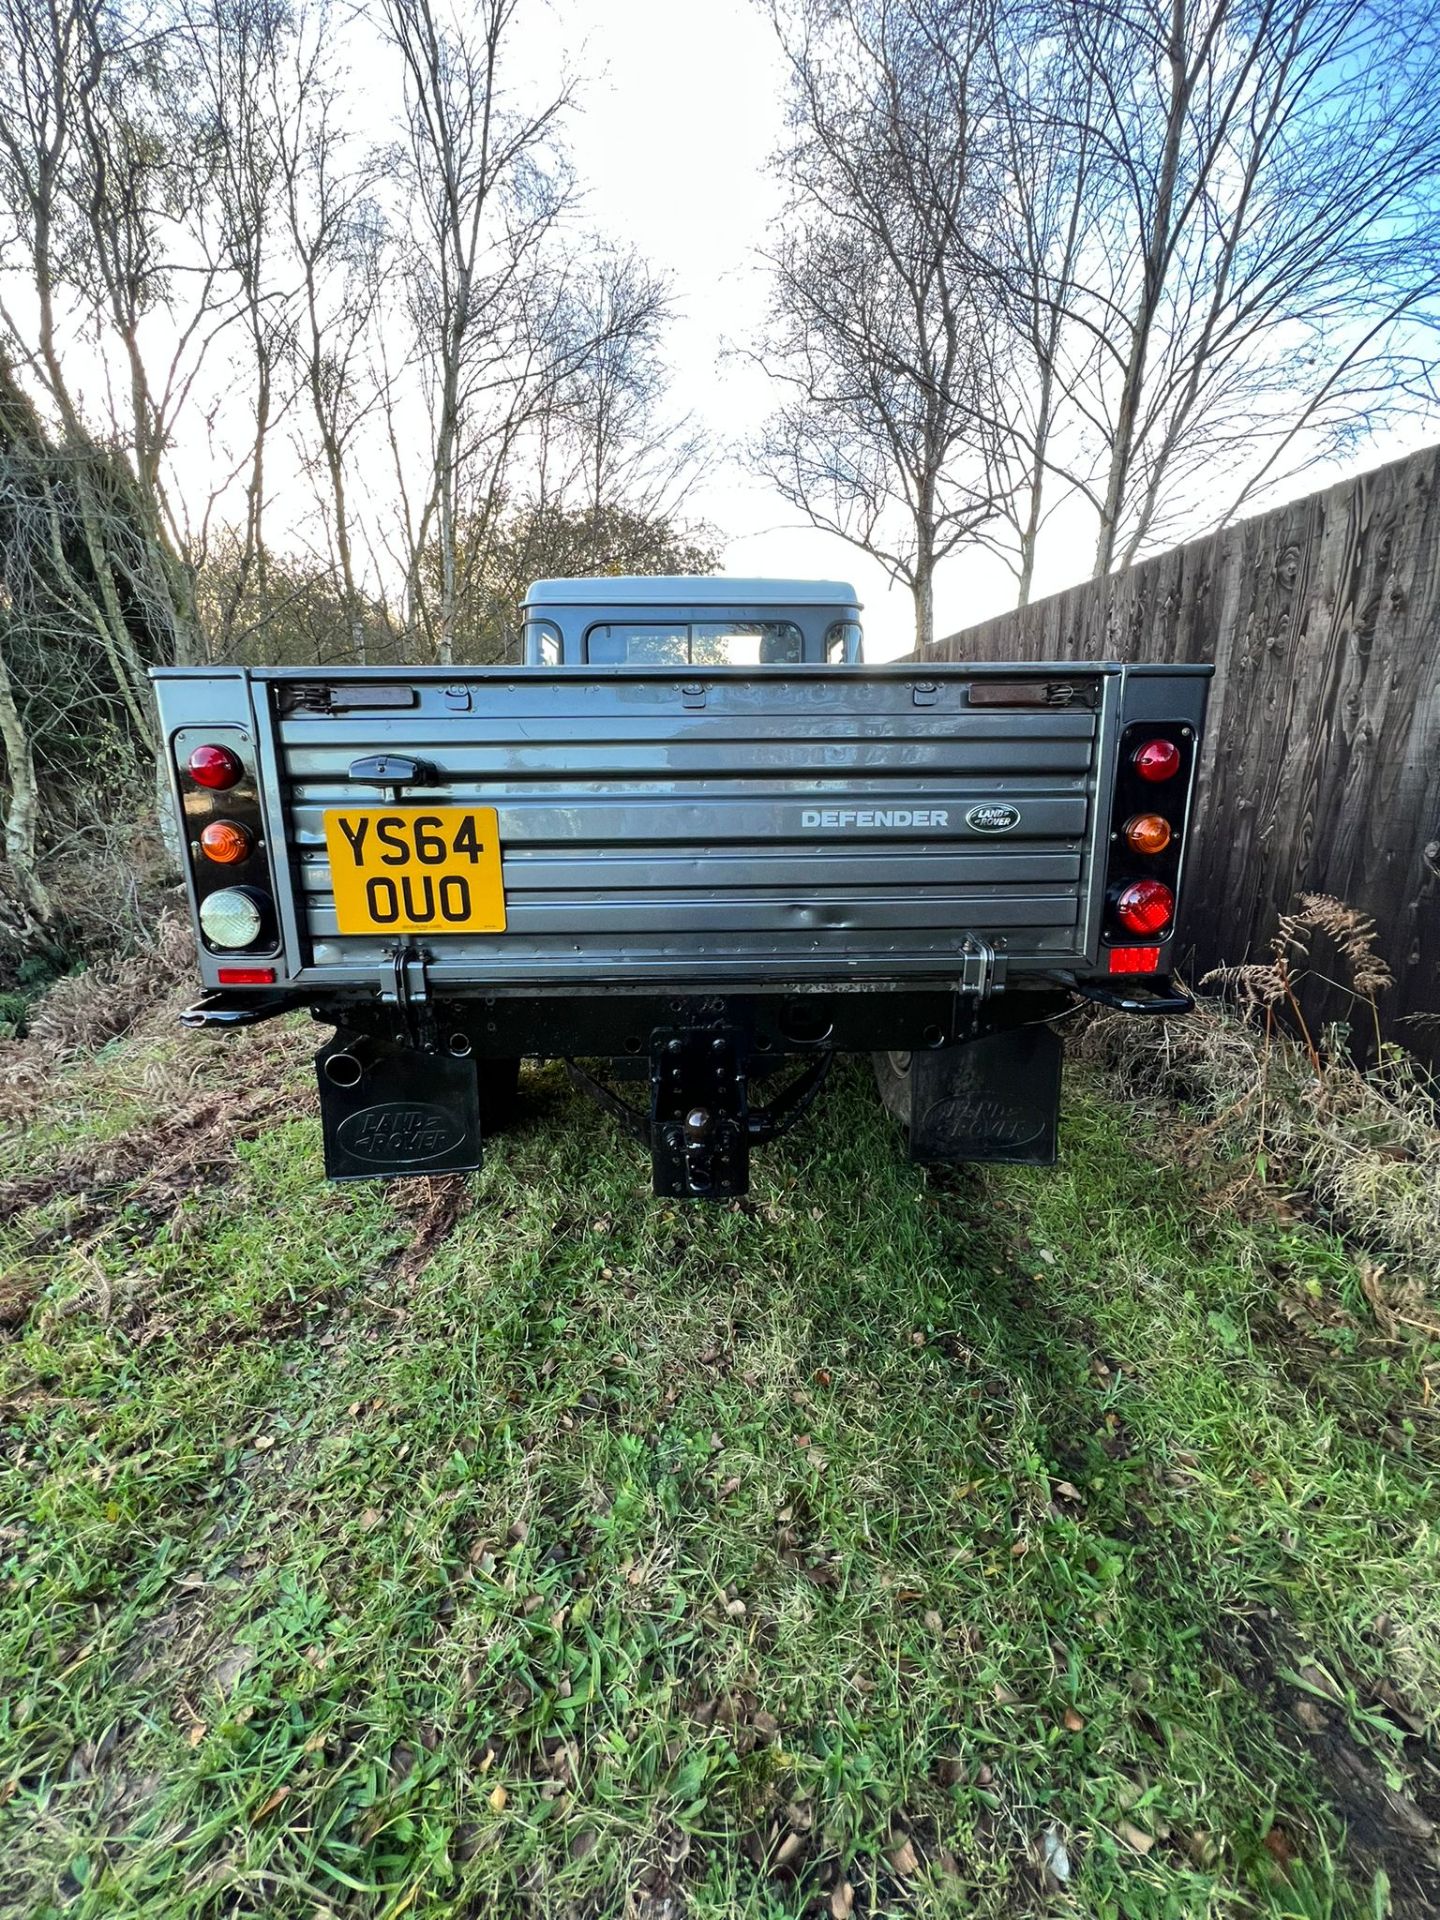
(1321, 769)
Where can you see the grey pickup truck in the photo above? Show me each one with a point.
(695, 847)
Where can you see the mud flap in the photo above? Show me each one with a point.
(992, 1099)
(388, 1110)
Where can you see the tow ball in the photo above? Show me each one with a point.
(699, 1113)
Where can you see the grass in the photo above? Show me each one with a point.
(951, 1545)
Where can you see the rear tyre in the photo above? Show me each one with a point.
(892, 1077)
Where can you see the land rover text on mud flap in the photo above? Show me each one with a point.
(695, 848)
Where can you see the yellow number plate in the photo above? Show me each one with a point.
(416, 869)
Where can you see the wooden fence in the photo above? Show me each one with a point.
(1321, 769)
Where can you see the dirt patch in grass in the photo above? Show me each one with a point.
(19, 1289)
(1385, 1788)
(153, 1167)
(432, 1206)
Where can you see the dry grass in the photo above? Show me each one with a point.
(84, 1010)
(80, 1012)
(1362, 1144)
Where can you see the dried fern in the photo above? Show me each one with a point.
(1275, 983)
(1363, 1142)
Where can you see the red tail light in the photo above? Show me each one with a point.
(1145, 906)
(1157, 760)
(215, 767)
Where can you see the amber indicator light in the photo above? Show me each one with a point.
(225, 842)
(1148, 833)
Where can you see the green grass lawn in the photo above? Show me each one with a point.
(988, 1544)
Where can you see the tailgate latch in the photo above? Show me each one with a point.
(391, 771)
(981, 968)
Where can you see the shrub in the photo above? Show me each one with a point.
(1362, 1141)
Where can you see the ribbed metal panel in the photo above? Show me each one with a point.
(644, 833)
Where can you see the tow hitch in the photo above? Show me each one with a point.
(701, 1124)
(699, 1114)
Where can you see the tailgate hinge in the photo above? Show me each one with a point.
(982, 970)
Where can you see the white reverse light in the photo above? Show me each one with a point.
(230, 918)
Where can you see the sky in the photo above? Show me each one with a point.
(683, 103)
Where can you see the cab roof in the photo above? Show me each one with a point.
(689, 590)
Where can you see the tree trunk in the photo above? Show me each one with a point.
(922, 589)
(445, 646)
(22, 816)
(1122, 451)
(1030, 535)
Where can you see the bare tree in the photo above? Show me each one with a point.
(336, 234)
(486, 188)
(607, 427)
(82, 213)
(241, 117)
(1262, 258)
(878, 322)
(1047, 194)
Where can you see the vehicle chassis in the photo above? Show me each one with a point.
(410, 1084)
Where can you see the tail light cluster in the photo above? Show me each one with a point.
(225, 831)
(1147, 828)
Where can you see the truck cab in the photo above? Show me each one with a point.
(691, 620)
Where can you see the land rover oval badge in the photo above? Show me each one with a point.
(401, 1133)
(993, 819)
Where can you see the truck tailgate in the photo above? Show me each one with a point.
(814, 824)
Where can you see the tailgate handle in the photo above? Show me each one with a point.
(392, 771)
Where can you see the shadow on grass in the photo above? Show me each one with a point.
(890, 1543)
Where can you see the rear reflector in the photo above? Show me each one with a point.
(245, 976)
(1132, 960)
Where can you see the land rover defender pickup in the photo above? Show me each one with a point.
(695, 847)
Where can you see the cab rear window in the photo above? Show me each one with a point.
(695, 643)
